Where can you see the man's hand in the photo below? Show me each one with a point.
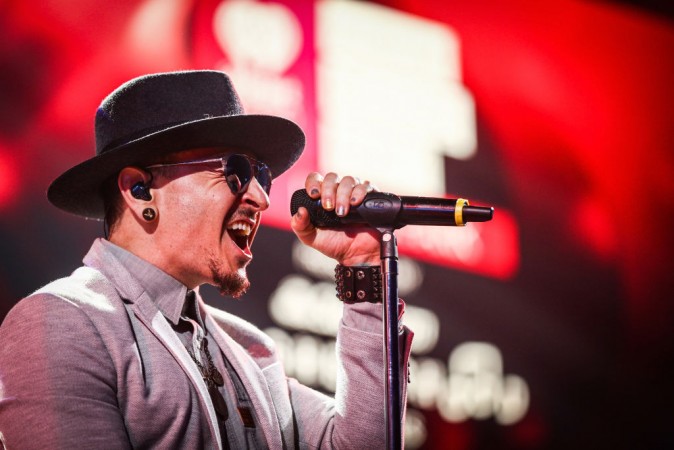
(350, 246)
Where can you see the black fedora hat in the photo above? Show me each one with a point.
(155, 115)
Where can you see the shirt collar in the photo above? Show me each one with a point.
(164, 290)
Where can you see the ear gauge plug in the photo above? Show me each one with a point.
(149, 214)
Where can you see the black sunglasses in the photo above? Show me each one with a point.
(238, 169)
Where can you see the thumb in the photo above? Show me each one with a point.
(302, 227)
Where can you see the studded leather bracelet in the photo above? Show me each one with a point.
(356, 284)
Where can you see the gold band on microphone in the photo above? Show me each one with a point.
(458, 211)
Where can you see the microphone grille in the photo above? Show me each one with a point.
(319, 216)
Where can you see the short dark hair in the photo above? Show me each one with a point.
(112, 202)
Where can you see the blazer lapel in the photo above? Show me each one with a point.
(152, 318)
(103, 257)
(253, 380)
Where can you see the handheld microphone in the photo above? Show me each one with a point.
(381, 209)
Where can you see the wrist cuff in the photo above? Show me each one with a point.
(356, 284)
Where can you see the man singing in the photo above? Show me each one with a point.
(124, 353)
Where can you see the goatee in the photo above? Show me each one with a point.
(231, 284)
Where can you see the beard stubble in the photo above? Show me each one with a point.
(231, 284)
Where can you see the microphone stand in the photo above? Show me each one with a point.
(389, 272)
(385, 213)
(382, 216)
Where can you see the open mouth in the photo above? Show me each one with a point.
(240, 233)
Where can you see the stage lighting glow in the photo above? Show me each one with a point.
(476, 387)
(463, 244)
(262, 40)
(150, 37)
(415, 429)
(514, 402)
(471, 386)
(389, 86)
(266, 36)
(430, 373)
(8, 179)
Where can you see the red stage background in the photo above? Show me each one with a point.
(574, 103)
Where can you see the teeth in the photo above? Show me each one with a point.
(241, 228)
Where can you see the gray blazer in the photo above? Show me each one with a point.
(90, 362)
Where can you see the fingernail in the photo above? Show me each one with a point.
(340, 210)
(314, 191)
(327, 203)
(353, 199)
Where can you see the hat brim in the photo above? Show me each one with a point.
(273, 140)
